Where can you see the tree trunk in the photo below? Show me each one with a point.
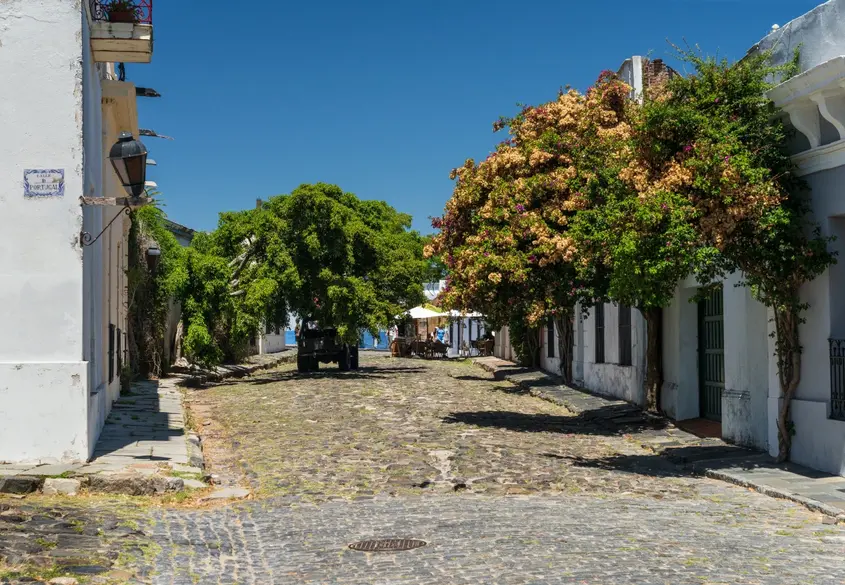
(177, 344)
(565, 342)
(788, 349)
(654, 358)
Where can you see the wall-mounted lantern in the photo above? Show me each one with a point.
(129, 159)
(153, 256)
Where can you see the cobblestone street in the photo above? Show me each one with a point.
(504, 487)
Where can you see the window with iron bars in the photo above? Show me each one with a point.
(624, 335)
(599, 310)
(837, 379)
(119, 355)
(111, 352)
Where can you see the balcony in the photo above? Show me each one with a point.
(122, 31)
(837, 379)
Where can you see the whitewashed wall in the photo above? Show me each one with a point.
(44, 380)
(97, 257)
(744, 417)
(819, 441)
(272, 342)
(610, 378)
(502, 348)
(550, 356)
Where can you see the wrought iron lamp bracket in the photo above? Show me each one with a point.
(86, 239)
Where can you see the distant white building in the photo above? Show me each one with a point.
(63, 304)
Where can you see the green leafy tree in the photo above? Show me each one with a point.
(149, 292)
(318, 253)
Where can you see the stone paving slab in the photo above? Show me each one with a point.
(144, 436)
(714, 458)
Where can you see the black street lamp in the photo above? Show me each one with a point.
(129, 159)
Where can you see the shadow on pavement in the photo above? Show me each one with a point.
(675, 462)
(331, 371)
(610, 420)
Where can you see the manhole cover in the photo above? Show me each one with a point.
(387, 545)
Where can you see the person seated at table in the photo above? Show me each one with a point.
(440, 333)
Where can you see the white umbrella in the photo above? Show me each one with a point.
(423, 313)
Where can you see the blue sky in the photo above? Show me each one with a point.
(384, 98)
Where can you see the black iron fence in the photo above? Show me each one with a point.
(837, 379)
(139, 11)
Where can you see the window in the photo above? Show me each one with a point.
(599, 309)
(624, 335)
(111, 352)
(119, 352)
(550, 337)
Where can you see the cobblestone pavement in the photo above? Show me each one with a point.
(407, 427)
(504, 487)
(727, 535)
(88, 538)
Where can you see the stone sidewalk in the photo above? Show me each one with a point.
(143, 444)
(711, 457)
(144, 447)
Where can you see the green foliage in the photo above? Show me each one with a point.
(317, 253)
(149, 292)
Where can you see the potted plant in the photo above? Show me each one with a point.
(122, 11)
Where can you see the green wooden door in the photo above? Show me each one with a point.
(711, 354)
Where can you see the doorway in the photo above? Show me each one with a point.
(711, 354)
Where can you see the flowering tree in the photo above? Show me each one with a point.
(504, 236)
(714, 141)
(599, 196)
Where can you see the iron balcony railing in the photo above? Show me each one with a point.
(138, 11)
(837, 379)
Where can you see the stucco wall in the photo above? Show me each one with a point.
(610, 378)
(502, 348)
(819, 442)
(820, 34)
(272, 342)
(744, 400)
(550, 364)
(746, 362)
(43, 378)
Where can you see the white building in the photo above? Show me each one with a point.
(718, 356)
(62, 304)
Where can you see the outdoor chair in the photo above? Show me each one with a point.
(439, 349)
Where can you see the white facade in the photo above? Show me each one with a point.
(598, 362)
(58, 298)
(272, 340)
(814, 102)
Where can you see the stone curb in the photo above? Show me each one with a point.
(699, 468)
(195, 457)
(809, 503)
(234, 371)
